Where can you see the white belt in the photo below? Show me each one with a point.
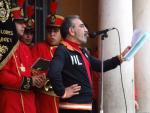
(72, 106)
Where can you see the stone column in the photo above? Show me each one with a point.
(142, 59)
(118, 14)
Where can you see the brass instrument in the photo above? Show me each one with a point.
(48, 89)
(48, 86)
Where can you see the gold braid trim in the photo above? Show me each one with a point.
(55, 103)
(51, 52)
(22, 101)
(9, 55)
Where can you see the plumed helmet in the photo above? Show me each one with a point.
(54, 20)
(30, 23)
(17, 11)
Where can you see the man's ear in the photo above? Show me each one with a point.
(71, 31)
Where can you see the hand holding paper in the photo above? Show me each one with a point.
(139, 39)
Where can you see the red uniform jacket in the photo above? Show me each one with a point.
(45, 103)
(11, 76)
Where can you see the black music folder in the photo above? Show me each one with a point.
(41, 64)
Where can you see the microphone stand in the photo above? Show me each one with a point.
(103, 36)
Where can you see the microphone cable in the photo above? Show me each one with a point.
(121, 72)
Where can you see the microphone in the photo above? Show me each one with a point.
(94, 34)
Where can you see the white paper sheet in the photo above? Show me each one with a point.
(138, 40)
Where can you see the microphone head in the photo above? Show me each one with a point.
(95, 34)
(92, 35)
